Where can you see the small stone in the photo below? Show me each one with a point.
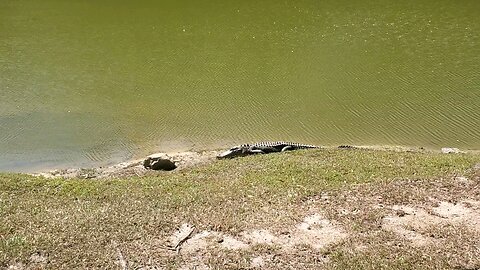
(401, 213)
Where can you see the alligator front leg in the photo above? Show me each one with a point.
(287, 148)
(253, 150)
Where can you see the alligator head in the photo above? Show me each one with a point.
(237, 151)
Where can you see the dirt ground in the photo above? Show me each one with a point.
(437, 218)
(394, 211)
(134, 168)
(414, 218)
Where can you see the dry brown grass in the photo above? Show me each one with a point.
(65, 224)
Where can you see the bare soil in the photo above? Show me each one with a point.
(322, 209)
(133, 168)
(439, 223)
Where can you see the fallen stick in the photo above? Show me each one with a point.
(182, 240)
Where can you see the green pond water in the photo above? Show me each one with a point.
(89, 83)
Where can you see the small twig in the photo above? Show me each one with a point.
(182, 240)
(123, 263)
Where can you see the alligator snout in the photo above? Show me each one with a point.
(226, 154)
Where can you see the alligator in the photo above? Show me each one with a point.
(263, 148)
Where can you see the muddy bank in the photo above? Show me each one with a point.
(189, 159)
(134, 167)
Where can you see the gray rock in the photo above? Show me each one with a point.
(159, 164)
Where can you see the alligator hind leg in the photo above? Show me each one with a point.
(287, 148)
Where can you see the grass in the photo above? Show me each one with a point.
(80, 223)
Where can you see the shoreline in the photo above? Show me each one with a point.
(133, 168)
(189, 159)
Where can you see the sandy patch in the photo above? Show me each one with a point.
(465, 213)
(204, 240)
(257, 262)
(135, 167)
(229, 242)
(36, 261)
(262, 236)
(314, 231)
(317, 232)
(209, 239)
(409, 222)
